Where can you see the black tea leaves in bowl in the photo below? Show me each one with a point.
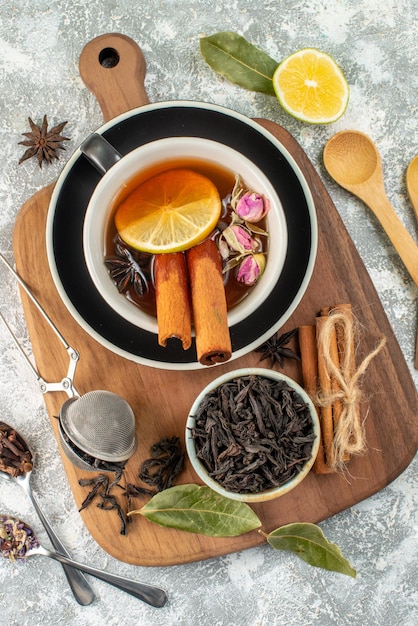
(252, 434)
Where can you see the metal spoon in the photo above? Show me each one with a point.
(412, 188)
(151, 595)
(354, 162)
(80, 587)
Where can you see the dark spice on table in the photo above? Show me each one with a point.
(107, 501)
(41, 143)
(159, 471)
(275, 349)
(253, 433)
(15, 458)
(166, 462)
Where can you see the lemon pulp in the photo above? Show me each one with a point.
(311, 87)
(170, 212)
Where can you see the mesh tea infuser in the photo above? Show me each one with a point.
(97, 429)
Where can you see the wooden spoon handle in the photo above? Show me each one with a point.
(397, 233)
(113, 68)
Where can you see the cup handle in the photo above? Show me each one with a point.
(100, 152)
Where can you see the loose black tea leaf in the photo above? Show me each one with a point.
(109, 503)
(166, 462)
(101, 489)
(99, 482)
(253, 433)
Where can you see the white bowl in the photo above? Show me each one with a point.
(99, 214)
(268, 494)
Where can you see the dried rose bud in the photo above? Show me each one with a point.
(251, 269)
(223, 248)
(239, 239)
(252, 207)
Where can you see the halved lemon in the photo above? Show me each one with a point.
(170, 212)
(310, 86)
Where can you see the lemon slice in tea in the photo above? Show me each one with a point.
(170, 212)
(311, 87)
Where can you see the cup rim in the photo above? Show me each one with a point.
(96, 219)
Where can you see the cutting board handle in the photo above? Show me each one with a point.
(113, 68)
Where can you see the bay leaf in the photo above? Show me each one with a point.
(237, 60)
(198, 509)
(310, 544)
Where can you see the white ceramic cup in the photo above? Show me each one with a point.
(119, 171)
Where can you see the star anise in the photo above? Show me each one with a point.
(125, 270)
(274, 348)
(42, 143)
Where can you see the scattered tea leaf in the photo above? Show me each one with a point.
(237, 60)
(198, 509)
(310, 544)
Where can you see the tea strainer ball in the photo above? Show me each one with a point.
(100, 424)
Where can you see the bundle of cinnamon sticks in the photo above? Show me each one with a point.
(189, 287)
(328, 362)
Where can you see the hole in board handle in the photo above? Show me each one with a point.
(108, 57)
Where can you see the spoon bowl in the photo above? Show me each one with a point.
(412, 183)
(80, 586)
(353, 161)
(18, 541)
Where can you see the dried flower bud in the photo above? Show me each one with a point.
(239, 239)
(252, 207)
(251, 269)
(223, 248)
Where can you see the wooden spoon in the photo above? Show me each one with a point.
(412, 183)
(412, 187)
(353, 161)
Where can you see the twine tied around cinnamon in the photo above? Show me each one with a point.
(349, 435)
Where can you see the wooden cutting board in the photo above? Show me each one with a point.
(161, 399)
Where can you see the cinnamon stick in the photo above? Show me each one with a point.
(213, 342)
(327, 424)
(309, 363)
(334, 352)
(346, 351)
(172, 298)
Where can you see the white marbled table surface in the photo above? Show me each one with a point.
(376, 44)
